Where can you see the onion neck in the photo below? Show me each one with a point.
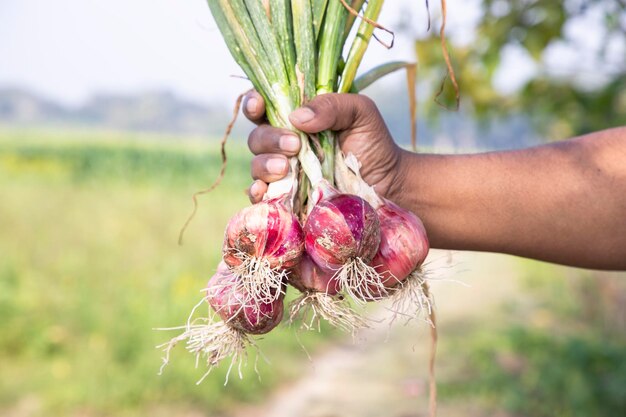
(349, 180)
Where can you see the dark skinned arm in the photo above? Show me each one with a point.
(563, 202)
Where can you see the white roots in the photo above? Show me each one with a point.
(361, 281)
(212, 341)
(411, 299)
(311, 307)
(261, 283)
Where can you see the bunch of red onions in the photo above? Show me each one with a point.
(348, 248)
(322, 229)
(262, 242)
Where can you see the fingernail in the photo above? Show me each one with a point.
(254, 189)
(289, 143)
(276, 165)
(251, 105)
(302, 115)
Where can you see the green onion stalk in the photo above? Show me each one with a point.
(292, 51)
(304, 232)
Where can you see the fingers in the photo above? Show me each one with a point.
(254, 107)
(269, 167)
(268, 139)
(266, 168)
(334, 112)
(327, 111)
(272, 145)
(256, 191)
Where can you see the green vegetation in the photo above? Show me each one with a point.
(560, 353)
(90, 264)
(562, 99)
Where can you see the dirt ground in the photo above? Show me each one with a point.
(385, 373)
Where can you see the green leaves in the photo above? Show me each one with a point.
(330, 47)
(291, 50)
(304, 36)
(319, 12)
(280, 11)
(558, 103)
(359, 44)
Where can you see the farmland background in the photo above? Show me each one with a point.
(90, 266)
(95, 184)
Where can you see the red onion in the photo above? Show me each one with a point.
(403, 248)
(308, 276)
(261, 242)
(234, 306)
(229, 338)
(403, 244)
(341, 228)
(320, 299)
(342, 234)
(266, 230)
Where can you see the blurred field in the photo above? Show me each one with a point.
(516, 338)
(89, 264)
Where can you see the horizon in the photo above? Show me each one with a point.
(102, 48)
(72, 50)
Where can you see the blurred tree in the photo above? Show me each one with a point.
(577, 49)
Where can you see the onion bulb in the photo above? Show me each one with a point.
(261, 242)
(403, 244)
(214, 340)
(320, 299)
(229, 301)
(342, 234)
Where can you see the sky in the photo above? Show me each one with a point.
(67, 50)
(70, 49)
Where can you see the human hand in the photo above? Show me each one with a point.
(360, 130)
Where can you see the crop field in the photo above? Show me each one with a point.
(89, 265)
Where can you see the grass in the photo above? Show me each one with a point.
(558, 350)
(89, 264)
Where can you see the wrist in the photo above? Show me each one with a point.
(397, 188)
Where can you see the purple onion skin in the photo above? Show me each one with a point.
(308, 276)
(341, 228)
(229, 302)
(267, 230)
(403, 244)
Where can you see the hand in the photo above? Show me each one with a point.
(360, 130)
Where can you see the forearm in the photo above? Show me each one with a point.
(562, 203)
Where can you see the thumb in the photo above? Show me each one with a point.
(333, 112)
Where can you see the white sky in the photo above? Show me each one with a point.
(70, 49)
